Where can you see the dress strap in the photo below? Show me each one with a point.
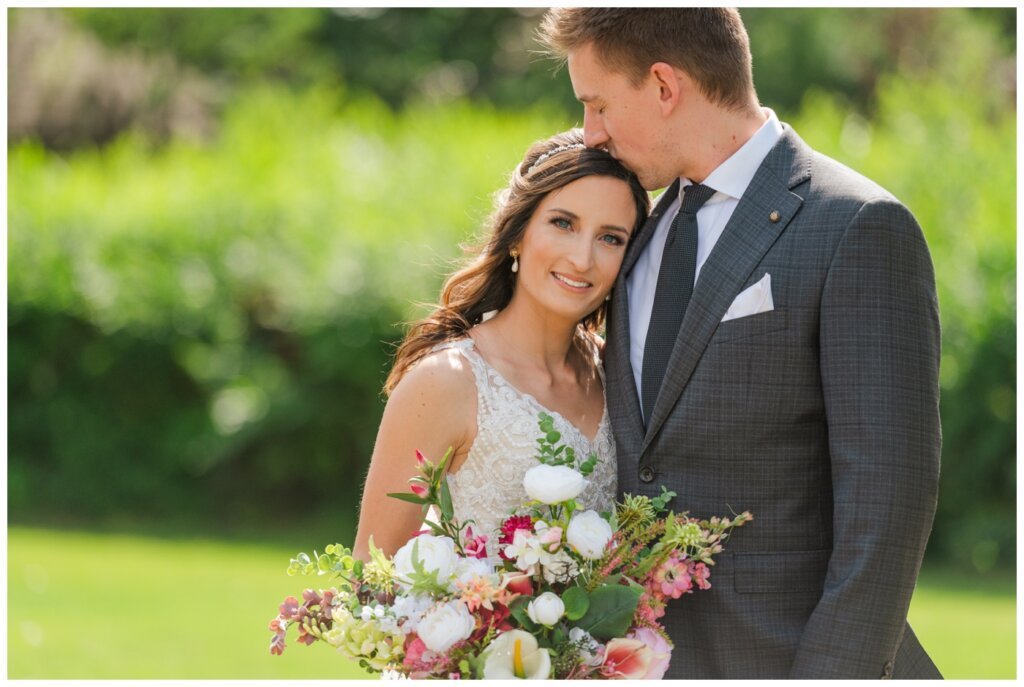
(480, 370)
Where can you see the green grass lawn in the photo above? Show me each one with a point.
(114, 606)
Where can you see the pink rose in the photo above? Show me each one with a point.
(551, 538)
(659, 646)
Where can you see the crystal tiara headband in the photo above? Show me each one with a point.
(554, 151)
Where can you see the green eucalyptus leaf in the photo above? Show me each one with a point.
(576, 603)
(518, 611)
(611, 611)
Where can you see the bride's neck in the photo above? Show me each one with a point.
(532, 338)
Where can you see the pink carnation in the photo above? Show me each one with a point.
(509, 529)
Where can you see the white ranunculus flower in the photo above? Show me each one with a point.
(468, 568)
(588, 534)
(551, 484)
(516, 654)
(411, 609)
(435, 553)
(445, 625)
(547, 609)
(559, 568)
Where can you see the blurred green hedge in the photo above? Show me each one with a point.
(202, 330)
(205, 330)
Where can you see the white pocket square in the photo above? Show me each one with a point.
(753, 300)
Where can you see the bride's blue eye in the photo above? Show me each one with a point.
(562, 223)
(612, 239)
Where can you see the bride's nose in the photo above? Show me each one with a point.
(581, 256)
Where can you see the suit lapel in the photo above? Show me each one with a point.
(748, 235)
(647, 231)
(624, 409)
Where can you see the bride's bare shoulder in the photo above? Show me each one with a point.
(444, 376)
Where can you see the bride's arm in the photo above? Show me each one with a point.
(432, 408)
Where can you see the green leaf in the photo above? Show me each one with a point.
(518, 611)
(436, 529)
(553, 436)
(576, 603)
(447, 510)
(611, 611)
(444, 461)
(411, 498)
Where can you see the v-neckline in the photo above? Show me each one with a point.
(530, 397)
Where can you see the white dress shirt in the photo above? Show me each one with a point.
(729, 180)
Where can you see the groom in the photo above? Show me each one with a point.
(773, 346)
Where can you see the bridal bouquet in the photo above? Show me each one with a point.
(571, 593)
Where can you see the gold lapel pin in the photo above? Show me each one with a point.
(774, 216)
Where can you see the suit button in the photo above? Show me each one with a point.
(646, 474)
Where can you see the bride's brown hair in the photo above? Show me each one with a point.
(486, 282)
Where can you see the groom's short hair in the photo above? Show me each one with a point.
(709, 44)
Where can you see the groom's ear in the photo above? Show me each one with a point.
(667, 79)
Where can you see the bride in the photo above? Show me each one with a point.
(515, 335)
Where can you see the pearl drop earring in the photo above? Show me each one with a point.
(515, 259)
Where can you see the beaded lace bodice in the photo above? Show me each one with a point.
(489, 484)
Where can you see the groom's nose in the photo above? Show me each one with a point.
(594, 135)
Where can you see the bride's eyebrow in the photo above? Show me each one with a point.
(573, 215)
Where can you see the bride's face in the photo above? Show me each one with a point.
(574, 244)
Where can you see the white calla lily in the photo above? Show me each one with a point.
(516, 654)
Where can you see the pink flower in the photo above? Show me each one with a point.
(700, 574)
(517, 582)
(551, 538)
(509, 529)
(420, 458)
(672, 578)
(475, 547)
(414, 651)
(289, 608)
(627, 659)
(651, 607)
(419, 490)
(660, 647)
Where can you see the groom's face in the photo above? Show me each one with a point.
(623, 119)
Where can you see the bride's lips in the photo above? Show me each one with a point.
(573, 284)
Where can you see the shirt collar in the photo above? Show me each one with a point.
(734, 175)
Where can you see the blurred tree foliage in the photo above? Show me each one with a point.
(440, 54)
(202, 327)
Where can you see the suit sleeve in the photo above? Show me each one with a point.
(880, 346)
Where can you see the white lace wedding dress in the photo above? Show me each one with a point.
(489, 484)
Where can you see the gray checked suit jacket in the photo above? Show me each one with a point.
(821, 417)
